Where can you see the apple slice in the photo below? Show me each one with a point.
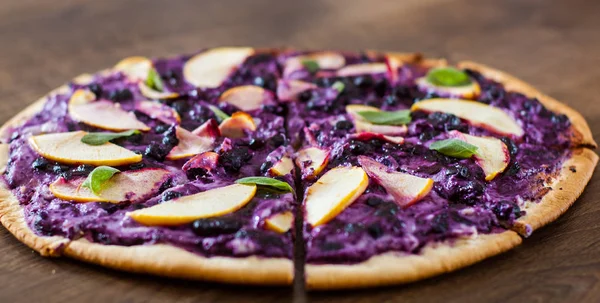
(492, 154)
(363, 126)
(312, 160)
(154, 94)
(282, 167)
(325, 60)
(67, 148)
(131, 186)
(478, 114)
(405, 188)
(210, 68)
(237, 125)
(469, 91)
(333, 192)
(206, 160)
(4, 152)
(363, 69)
(102, 114)
(209, 128)
(281, 222)
(159, 111)
(190, 144)
(211, 203)
(288, 90)
(246, 97)
(135, 68)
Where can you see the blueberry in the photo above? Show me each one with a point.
(234, 159)
(169, 140)
(391, 100)
(83, 170)
(343, 125)
(381, 87)
(40, 164)
(387, 209)
(363, 81)
(324, 81)
(120, 95)
(96, 89)
(216, 226)
(358, 148)
(375, 230)
(259, 58)
(196, 173)
(161, 128)
(513, 169)
(170, 195)
(137, 166)
(353, 228)
(463, 171)
(256, 143)
(180, 106)
(513, 149)
(330, 246)
(505, 210)
(156, 151)
(305, 96)
(265, 167)
(277, 140)
(266, 81)
(58, 169)
(439, 223)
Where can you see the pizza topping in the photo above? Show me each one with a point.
(210, 68)
(135, 68)
(154, 94)
(405, 188)
(449, 82)
(106, 184)
(454, 148)
(492, 154)
(282, 167)
(68, 148)
(153, 80)
(333, 192)
(221, 116)
(211, 203)
(400, 117)
(266, 182)
(313, 62)
(190, 144)
(361, 123)
(311, 161)
(448, 76)
(237, 125)
(246, 97)
(101, 138)
(281, 222)
(478, 114)
(102, 113)
(289, 90)
(158, 111)
(201, 164)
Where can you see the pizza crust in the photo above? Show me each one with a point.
(395, 268)
(583, 134)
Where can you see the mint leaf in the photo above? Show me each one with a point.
(264, 181)
(454, 148)
(387, 118)
(101, 138)
(311, 66)
(448, 76)
(339, 86)
(154, 81)
(219, 113)
(98, 177)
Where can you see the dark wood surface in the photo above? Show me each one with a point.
(555, 45)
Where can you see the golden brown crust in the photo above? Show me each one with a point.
(566, 188)
(395, 268)
(583, 134)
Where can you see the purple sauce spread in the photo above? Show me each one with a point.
(461, 203)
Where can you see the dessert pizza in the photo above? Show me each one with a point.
(384, 168)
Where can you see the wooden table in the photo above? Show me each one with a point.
(552, 44)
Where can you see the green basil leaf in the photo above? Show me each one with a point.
(311, 66)
(101, 138)
(339, 86)
(264, 181)
(98, 177)
(448, 76)
(219, 113)
(154, 81)
(454, 148)
(387, 118)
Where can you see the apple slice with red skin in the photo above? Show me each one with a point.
(325, 60)
(246, 97)
(158, 111)
(478, 114)
(211, 68)
(209, 128)
(206, 160)
(102, 113)
(288, 90)
(132, 186)
(237, 125)
(312, 160)
(190, 144)
(492, 154)
(405, 188)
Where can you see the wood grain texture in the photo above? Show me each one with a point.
(552, 44)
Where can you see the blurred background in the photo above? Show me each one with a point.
(553, 44)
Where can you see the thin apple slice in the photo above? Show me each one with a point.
(210, 68)
(190, 144)
(131, 186)
(469, 91)
(281, 222)
(282, 167)
(4, 151)
(478, 114)
(312, 160)
(325, 60)
(363, 69)
(363, 126)
(159, 111)
(492, 154)
(135, 68)
(67, 148)
(102, 113)
(405, 188)
(333, 192)
(154, 94)
(209, 128)
(206, 161)
(237, 125)
(246, 97)
(288, 90)
(211, 203)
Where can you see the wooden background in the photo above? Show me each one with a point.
(555, 45)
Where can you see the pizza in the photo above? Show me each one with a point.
(231, 163)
